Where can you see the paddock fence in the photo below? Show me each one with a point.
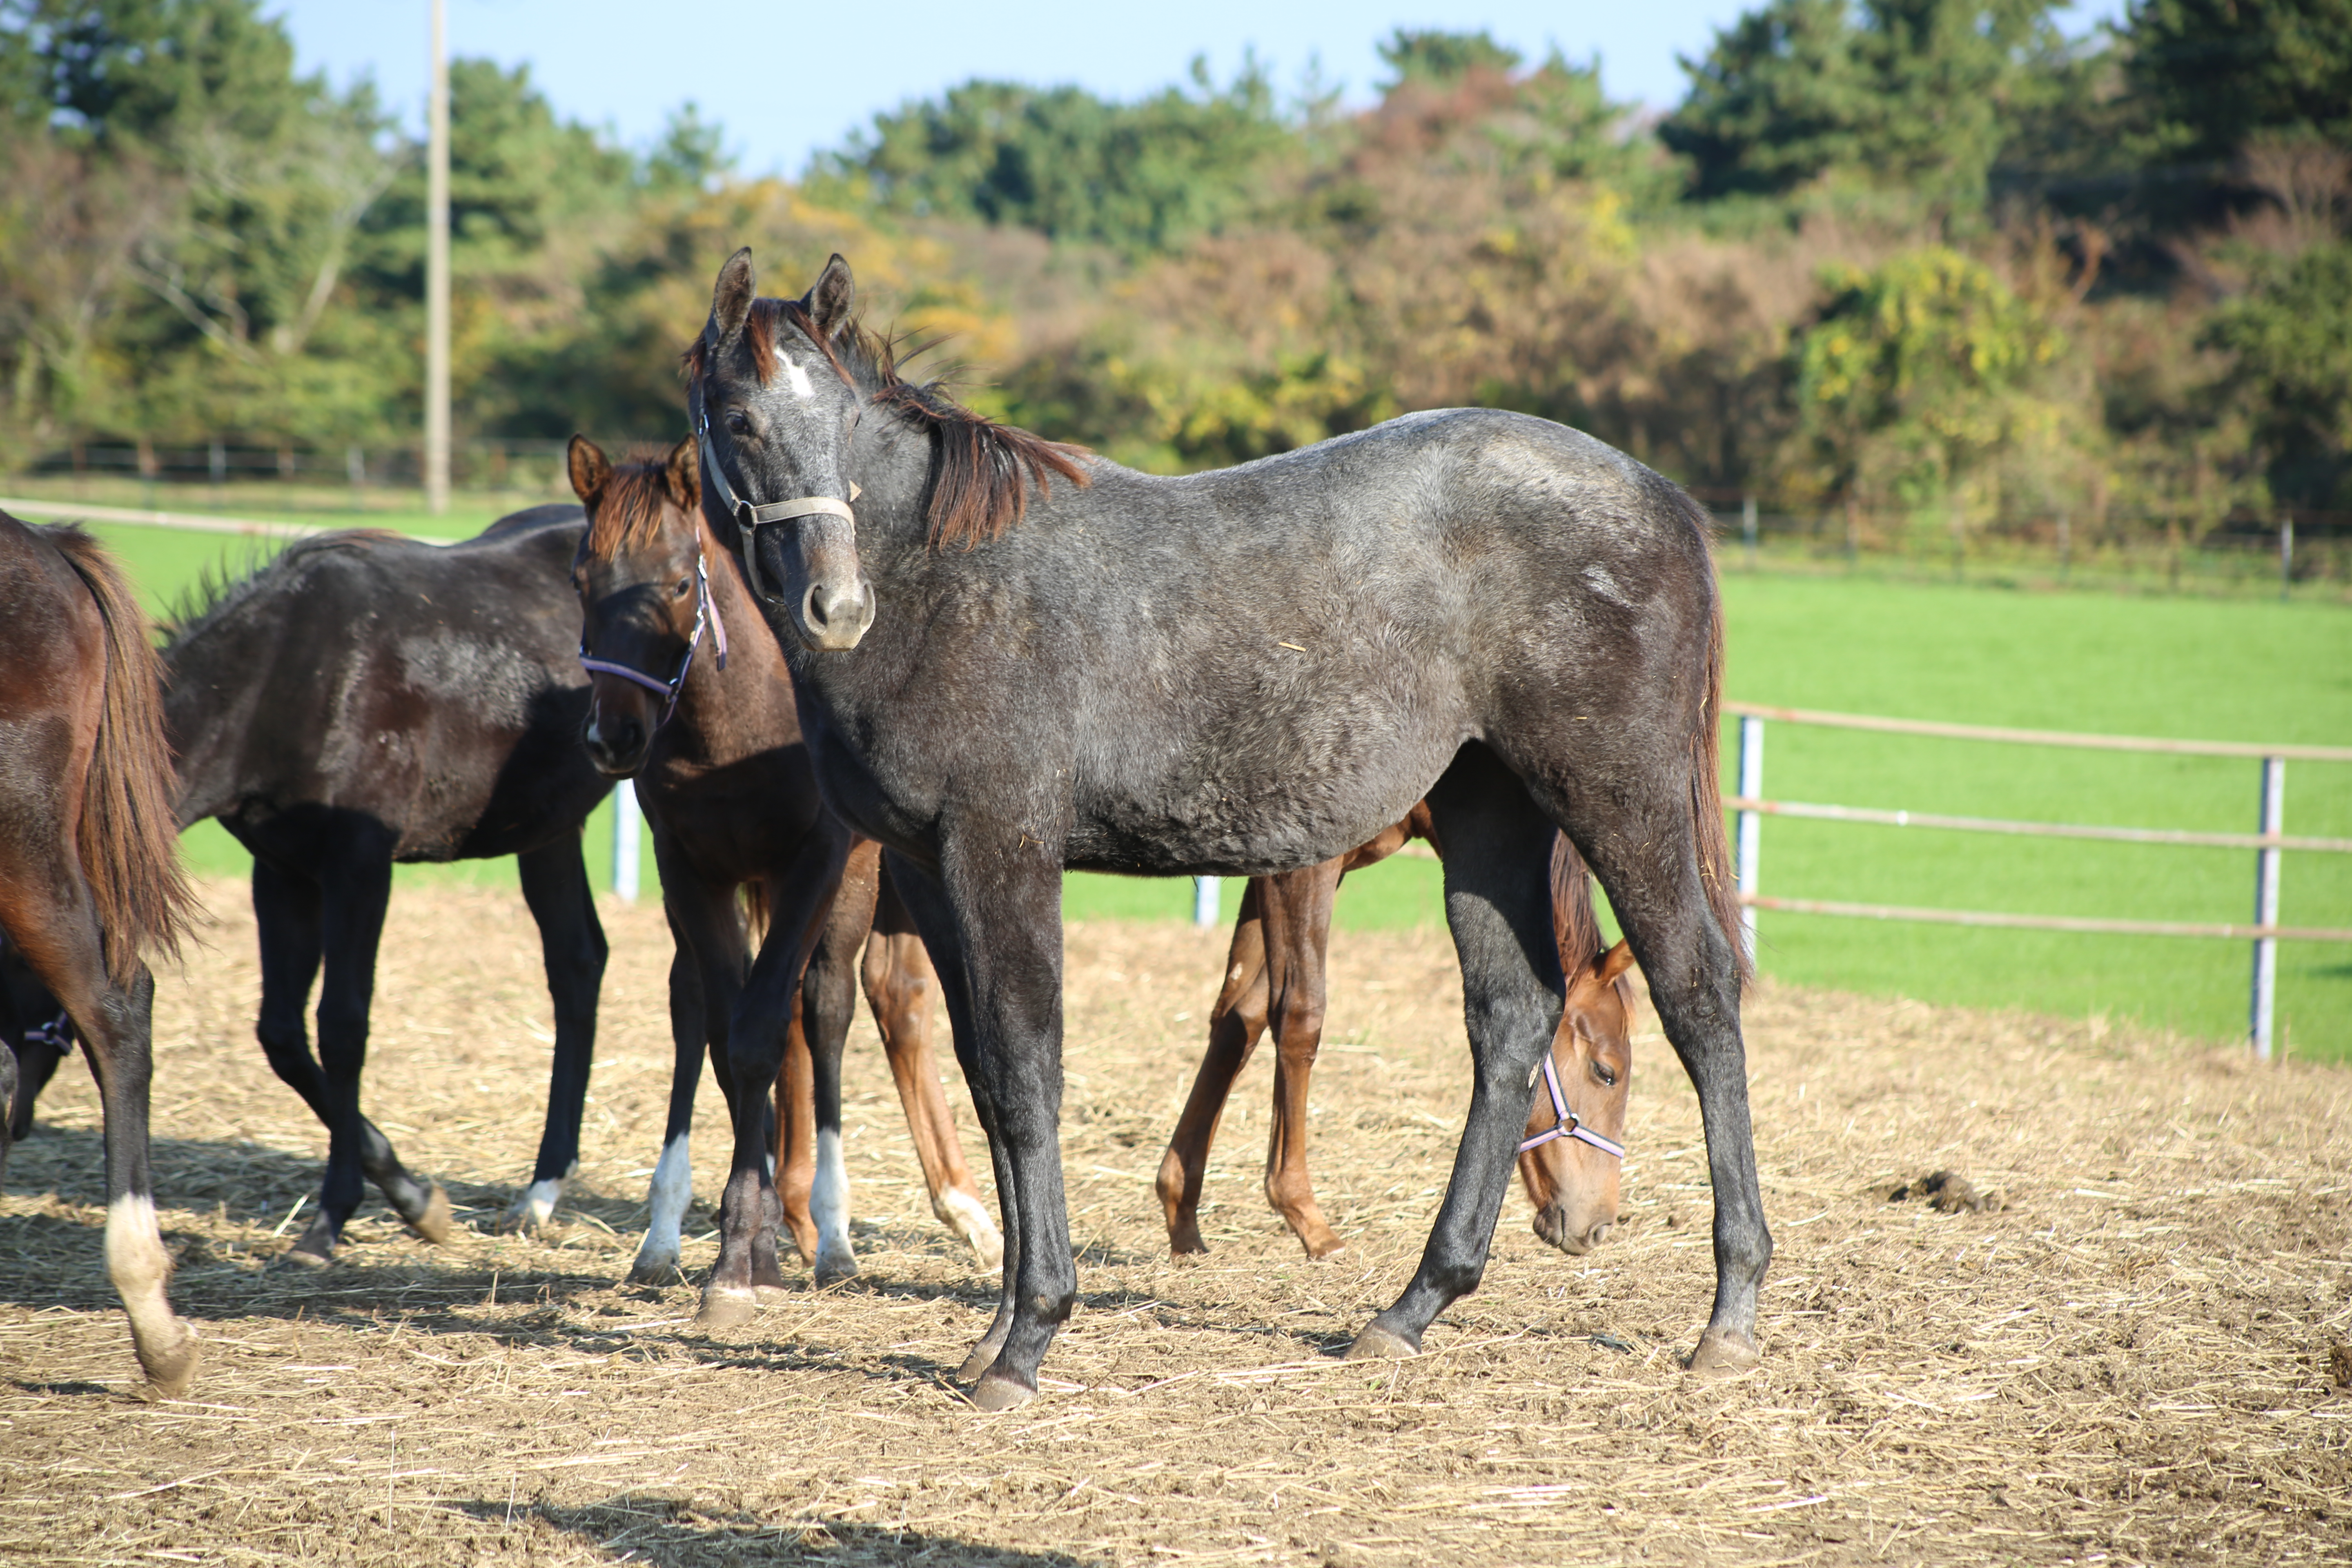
(2269, 841)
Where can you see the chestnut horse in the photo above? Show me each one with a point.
(90, 868)
(1570, 1158)
(1001, 676)
(723, 777)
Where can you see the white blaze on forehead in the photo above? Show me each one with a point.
(797, 378)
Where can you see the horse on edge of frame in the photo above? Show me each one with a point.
(1570, 1161)
(1229, 673)
(723, 777)
(90, 869)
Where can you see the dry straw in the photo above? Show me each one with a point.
(2128, 1361)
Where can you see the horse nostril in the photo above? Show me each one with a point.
(813, 607)
(1598, 1234)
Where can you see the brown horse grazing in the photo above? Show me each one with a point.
(90, 868)
(725, 781)
(1570, 1160)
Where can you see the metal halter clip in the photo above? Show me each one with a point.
(1570, 1124)
(748, 517)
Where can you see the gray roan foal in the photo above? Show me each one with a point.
(1231, 673)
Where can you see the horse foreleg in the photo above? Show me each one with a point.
(828, 1005)
(572, 948)
(1236, 1024)
(1298, 931)
(897, 973)
(800, 900)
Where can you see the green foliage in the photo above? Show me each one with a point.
(2214, 74)
(1919, 371)
(1901, 93)
(1442, 58)
(1139, 176)
(2291, 337)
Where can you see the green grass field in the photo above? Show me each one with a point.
(2202, 669)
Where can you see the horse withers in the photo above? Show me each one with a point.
(1013, 658)
(90, 868)
(1572, 1154)
(366, 700)
(705, 724)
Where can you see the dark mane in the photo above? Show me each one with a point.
(629, 508)
(981, 470)
(219, 590)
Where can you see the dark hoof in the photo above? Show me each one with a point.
(433, 1223)
(835, 1270)
(170, 1367)
(995, 1393)
(1376, 1343)
(653, 1271)
(1724, 1351)
(727, 1308)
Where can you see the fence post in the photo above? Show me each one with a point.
(216, 461)
(2286, 555)
(2266, 905)
(1747, 528)
(625, 817)
(1752, 785)
(1204, 900)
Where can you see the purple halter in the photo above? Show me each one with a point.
(1570, 1124)
(705, 615)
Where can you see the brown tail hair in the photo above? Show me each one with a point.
(129, 840)
(1714, 864)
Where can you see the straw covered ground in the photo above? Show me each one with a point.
(2129, 1361)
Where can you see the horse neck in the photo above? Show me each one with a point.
(732, 713)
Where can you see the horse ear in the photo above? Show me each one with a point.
(730, 299)
(835, 295)
(684, 475)
(589, 468)
(1615, 961)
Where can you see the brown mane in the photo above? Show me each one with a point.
(981, 471)
(628, 512)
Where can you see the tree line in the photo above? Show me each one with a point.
(1884, 254)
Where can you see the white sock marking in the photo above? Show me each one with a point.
(137, 1263)
(969, 1219)
(672, 1190)
(829, 1201)
(537, 1205)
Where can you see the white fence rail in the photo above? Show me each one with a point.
(2268, 841)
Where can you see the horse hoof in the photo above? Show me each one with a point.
(301, 1256)
(767, 1296)
(1317, 1251)
(834, 1270)
(433, 1223)
(975, 1365)
(1724, 1351)
(171, 1368)
(532, 1211)
(1376, 1343)
(729, 1307)
(650, 1270)
(994, 1393)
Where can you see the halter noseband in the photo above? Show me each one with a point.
(748, 517)
(705, 615)
(1570, 1124)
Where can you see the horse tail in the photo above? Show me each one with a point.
(1574, 925)
(1714, 863)
(128, 838)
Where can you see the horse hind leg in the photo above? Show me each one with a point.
(828, 1005)
(1298, 933)
(573, 952)
(1236, 1024)
(897, 973)
(1498, 904)
(672, 1190)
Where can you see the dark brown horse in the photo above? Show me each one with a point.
(365, 699)
(705, 724)
(90, 868)
(1274, 976)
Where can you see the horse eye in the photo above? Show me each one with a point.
(1608, 1079)
(684, 586)
(738, 422)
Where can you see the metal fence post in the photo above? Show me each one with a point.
(1204, 900)
(1747, 528)
(625, 817)
(2286, 555)
(2266, 905)
(1751, 786)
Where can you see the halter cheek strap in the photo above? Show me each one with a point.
(1571, 1125)
(748, 517)
(706, 615)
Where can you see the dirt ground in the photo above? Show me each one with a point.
(2130, 1361)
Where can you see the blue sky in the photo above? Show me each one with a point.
(787, 80)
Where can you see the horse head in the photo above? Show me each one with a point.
(1572, 1179)
(644, 596)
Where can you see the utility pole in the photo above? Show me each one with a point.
(436, 270)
